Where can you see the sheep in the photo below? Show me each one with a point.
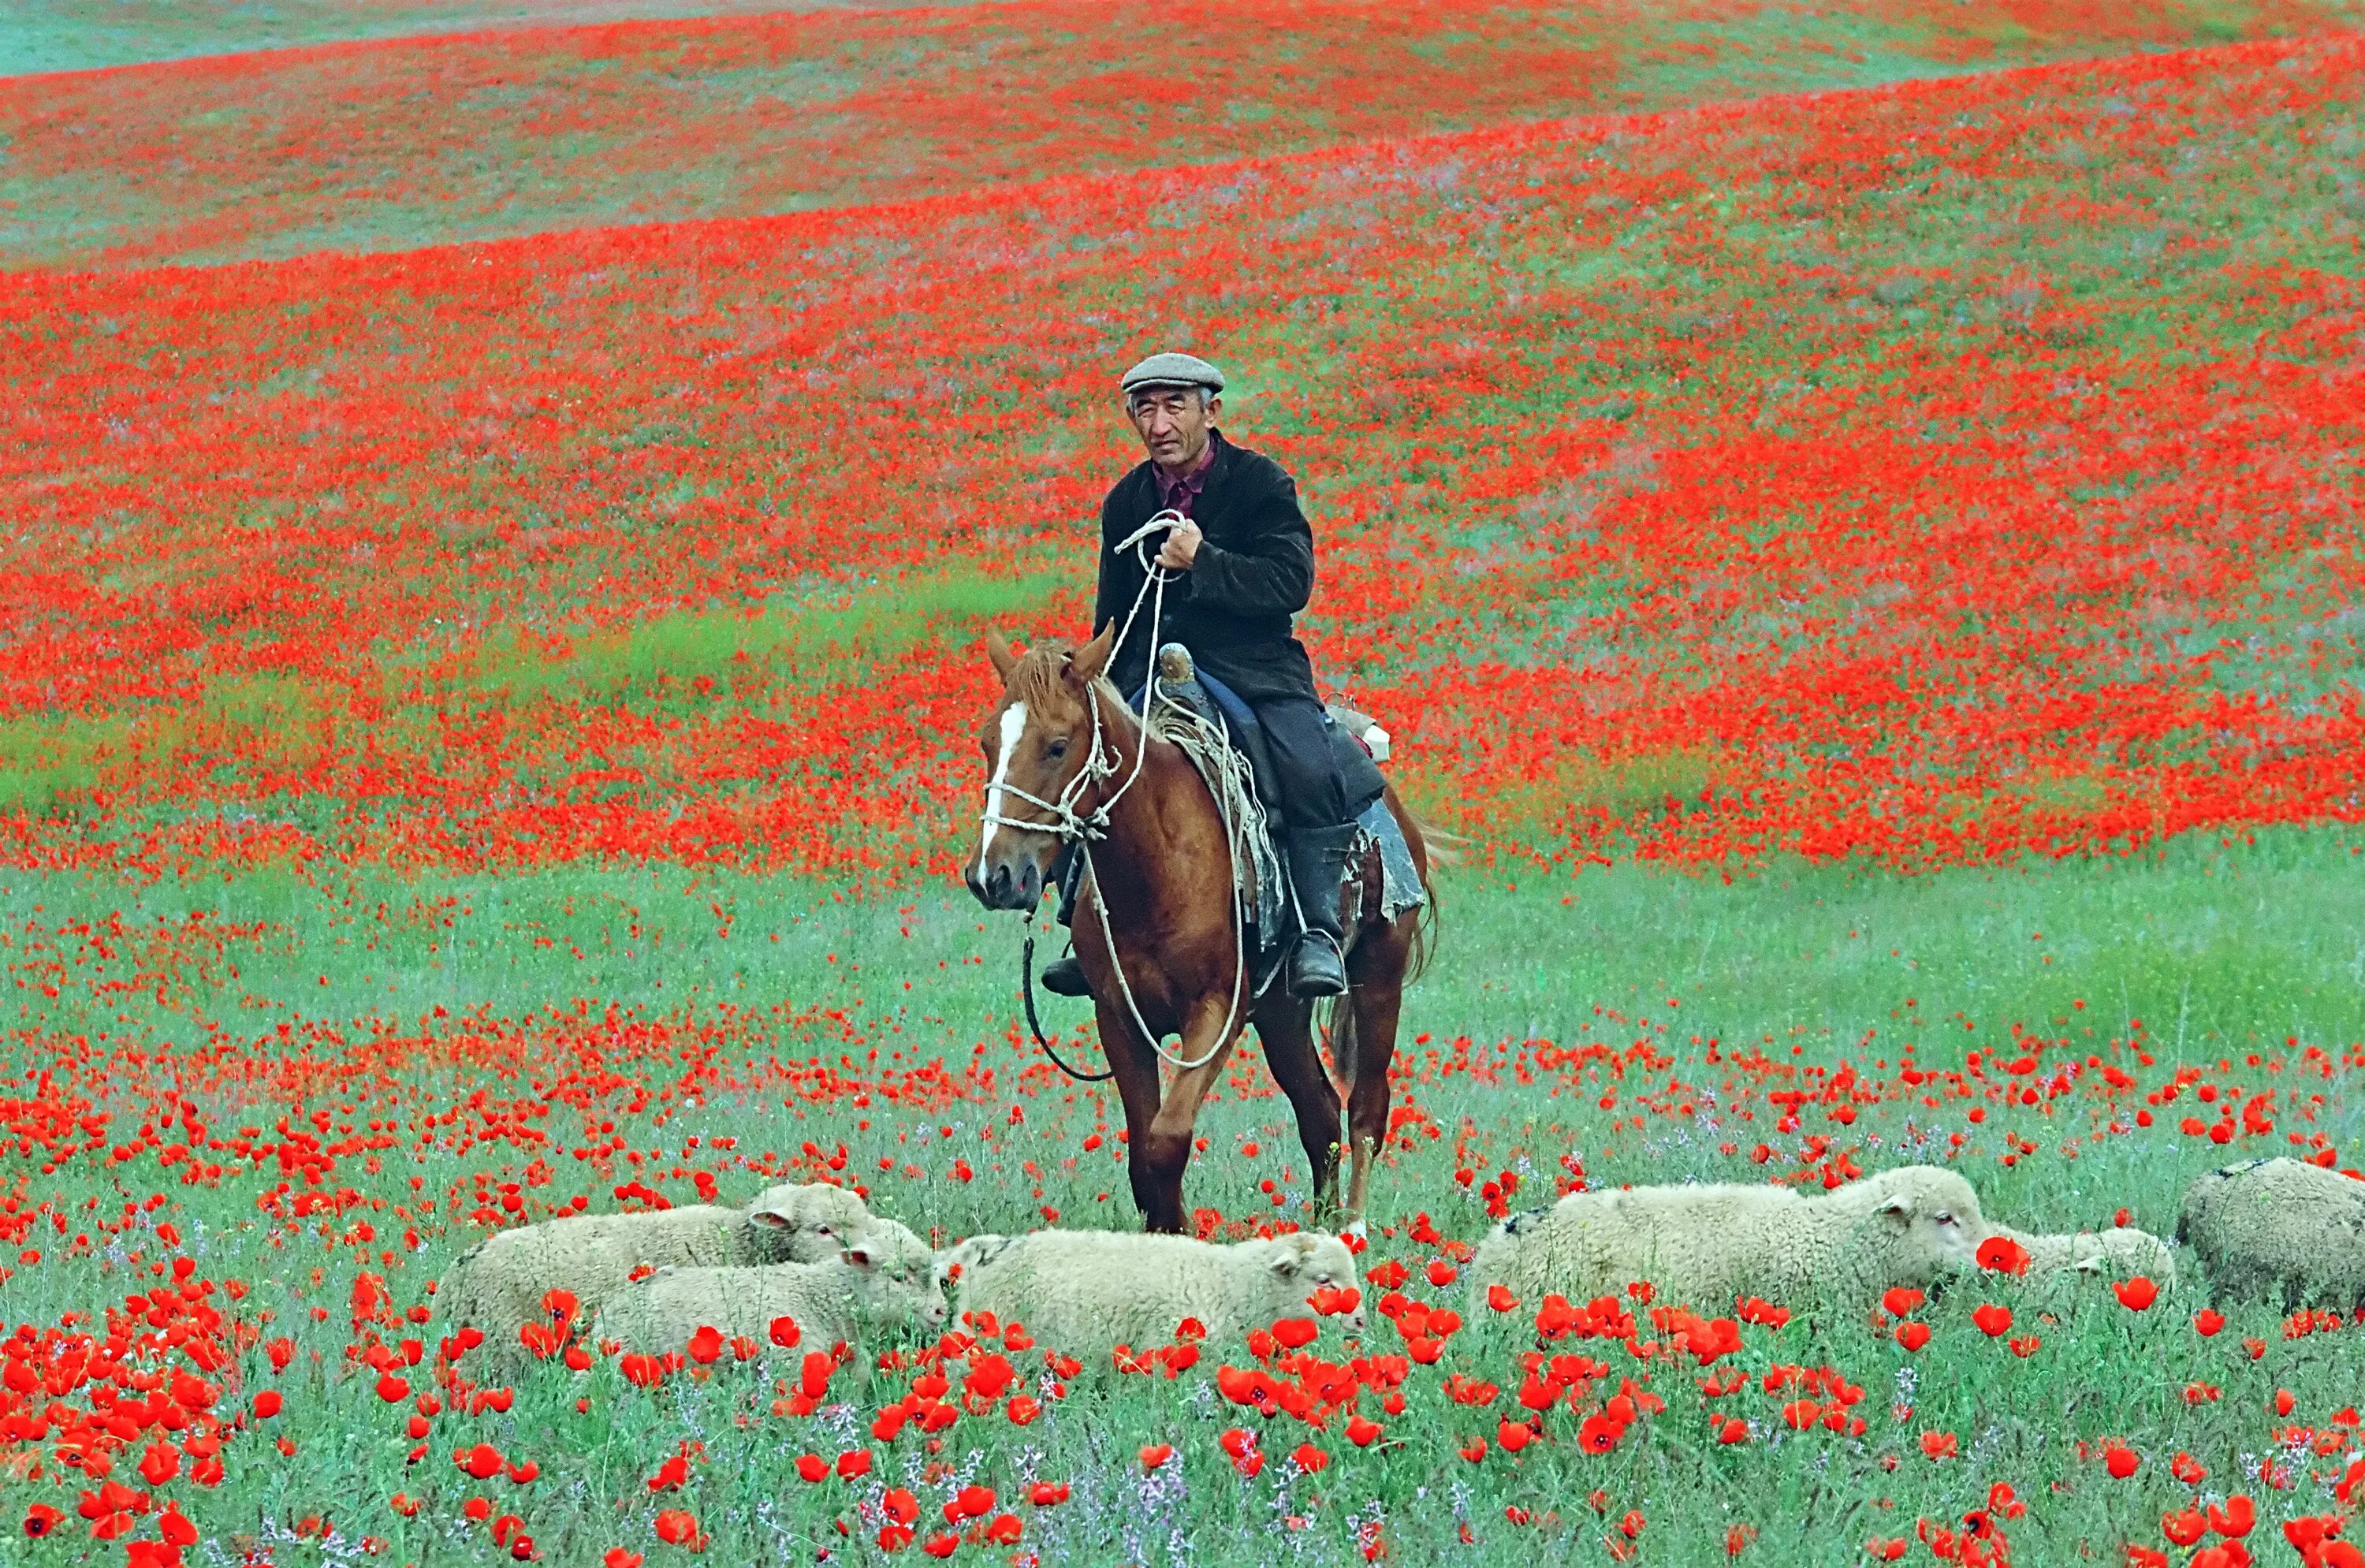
(498, 1286)
(889, 1278)
(2279, 1227)
(1087, 1292)
(1708, 1245)
(2121, 1252)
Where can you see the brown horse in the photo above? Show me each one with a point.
(1070, 761)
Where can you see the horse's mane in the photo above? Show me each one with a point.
(1040, 673)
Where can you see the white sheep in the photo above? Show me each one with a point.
(2121, 1252)
(498, 1286)
(2279, 1229)
(889, 1279)
(1086, 1291)
(1708, 1245)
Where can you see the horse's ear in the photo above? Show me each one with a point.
(1087, 662)
(1004, 659)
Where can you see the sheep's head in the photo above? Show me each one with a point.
(2122, 1252)
(1931, 1219)
(898, 1277)
(957, 1263)
(804, 1222)
(1306, 1262)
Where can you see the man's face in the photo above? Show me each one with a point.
(1173, 423)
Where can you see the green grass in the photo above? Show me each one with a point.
(2224, 952)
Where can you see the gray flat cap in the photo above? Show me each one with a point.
(1172, 370)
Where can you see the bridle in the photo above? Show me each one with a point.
(1084, 828)
(1068, 823)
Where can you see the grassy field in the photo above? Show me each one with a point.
(486, 731)
(1641, 1024)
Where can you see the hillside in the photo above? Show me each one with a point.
(549, 547)
(421, 141)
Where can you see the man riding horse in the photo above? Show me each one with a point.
(1242, 557)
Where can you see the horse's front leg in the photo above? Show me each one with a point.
(1134, 1064)
(1162, 1154)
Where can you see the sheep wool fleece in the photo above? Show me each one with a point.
(498, 1286)
(1087, 1292)
(2279, 1229)
(2121, 1252)
(890, 1280)
(1707, 1244)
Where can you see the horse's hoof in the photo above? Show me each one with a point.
(1355, 1228)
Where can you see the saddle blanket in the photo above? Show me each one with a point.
(1266, 891)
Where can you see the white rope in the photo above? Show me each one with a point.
(1083, 829)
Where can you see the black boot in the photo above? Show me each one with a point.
(1318, 859)
(1065, 977)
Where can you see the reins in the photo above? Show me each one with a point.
(1083, 829)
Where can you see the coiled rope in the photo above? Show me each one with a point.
(1084, 829)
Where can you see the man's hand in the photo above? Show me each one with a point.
(1181, 546)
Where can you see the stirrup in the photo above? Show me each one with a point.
(1065, 977)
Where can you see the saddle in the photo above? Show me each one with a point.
(1218, 733)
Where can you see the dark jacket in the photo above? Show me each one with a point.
(1232, 609)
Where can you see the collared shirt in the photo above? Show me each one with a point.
(1180, 495)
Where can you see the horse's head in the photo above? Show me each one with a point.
(1036, 744)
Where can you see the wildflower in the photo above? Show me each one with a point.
(2235, 1518)
(678, 1527)
(2207, 1322)
(2136, 1294)
(1993, 1321)
(2003, 1255)
(1153, 1455)
(2120, 1460)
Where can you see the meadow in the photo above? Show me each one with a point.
(1852, 516)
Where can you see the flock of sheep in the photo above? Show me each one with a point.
(2272, 1229)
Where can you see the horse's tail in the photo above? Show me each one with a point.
(1433, 846)
(1336, 1021)
(1438, 847)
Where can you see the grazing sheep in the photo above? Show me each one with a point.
(1708, 1245)
(888, 1278)
(2120, 1253)
(1086, 1291)
(498, 1286)
(2279, 1228)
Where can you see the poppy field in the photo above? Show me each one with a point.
(1854, 520)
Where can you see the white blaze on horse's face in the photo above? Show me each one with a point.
(1013, 727)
